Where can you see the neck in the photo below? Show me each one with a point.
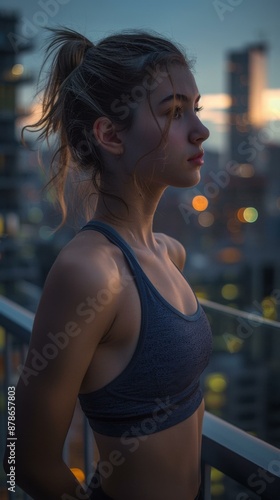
(131, 212)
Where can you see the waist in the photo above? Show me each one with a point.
(164, 462)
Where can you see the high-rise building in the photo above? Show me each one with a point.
(13, 265)
(246, 72)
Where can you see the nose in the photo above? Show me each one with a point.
(199, 132)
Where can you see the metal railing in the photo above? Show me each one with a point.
(246, 459)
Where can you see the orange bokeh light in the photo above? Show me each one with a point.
(200, 203)
(229, 255)
(78, 473)
(240, 214)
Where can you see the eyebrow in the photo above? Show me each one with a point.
(178, 97)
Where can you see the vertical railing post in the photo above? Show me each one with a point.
(66, 448)
(206, 480)
(88, 448)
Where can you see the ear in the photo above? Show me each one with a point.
(107, 136)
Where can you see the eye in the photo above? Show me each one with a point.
(177, 112)
(198, 109)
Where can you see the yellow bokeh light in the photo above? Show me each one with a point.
(230, 291)
(17, 70)
(217, 489)
(216, 475)
(201, 294)
(214, 400)
(250, 214)
(1, 224)
(217, 382)
(2, 337)
(79, 474)
(269, 308)
(200, 203)
(234, 344)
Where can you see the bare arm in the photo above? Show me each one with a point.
(62, 345)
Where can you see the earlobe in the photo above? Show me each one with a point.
(107, 136)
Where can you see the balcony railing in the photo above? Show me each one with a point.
(249, 464)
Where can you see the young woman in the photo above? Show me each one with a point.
(118, 323)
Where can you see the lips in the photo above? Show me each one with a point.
(197, 156)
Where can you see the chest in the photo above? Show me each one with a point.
(169, 282)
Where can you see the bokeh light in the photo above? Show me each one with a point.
(17, 69)
(217, 382)
(46, 233)
(246, 170)
(250, 214)
(234, 344)
(1, 224)
(200, 203)
(269, 308)
(206, 219)
(247, 214)
(229, 255)
(79, 474)
(230, 291)
(35, 215)
(2, 337)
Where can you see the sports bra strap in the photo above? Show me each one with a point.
(115, 238)
(137, 272)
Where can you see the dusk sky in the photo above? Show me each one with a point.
(207, 29)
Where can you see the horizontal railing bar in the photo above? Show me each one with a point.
(239, 455)
(225, 447)
(239, 314)
(16, 319)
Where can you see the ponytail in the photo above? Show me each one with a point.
(69, 48)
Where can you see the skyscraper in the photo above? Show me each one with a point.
(12, 75)
(246, 72)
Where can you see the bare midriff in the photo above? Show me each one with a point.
(160, 466)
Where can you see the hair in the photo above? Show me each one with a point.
(86, 81)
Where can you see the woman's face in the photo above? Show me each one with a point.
(175, 161)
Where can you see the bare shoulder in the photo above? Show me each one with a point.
(89, 260)
(175, 249)
(82, 269)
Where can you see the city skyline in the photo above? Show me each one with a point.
(207, 30)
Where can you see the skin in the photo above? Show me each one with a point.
(166, 464)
